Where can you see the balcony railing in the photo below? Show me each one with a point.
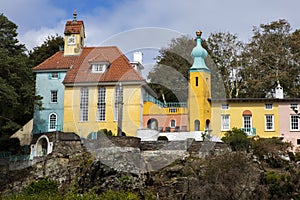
(149, 98)
(249, 131)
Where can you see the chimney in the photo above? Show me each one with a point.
(278, 92)
(138, 57)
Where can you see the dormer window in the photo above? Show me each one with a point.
(98, 67)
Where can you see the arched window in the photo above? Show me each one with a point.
(52, 122)
(197, 125)
(207, 124)
(152, 124)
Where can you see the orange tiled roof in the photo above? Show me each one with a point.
(79, 67)
(73, 27)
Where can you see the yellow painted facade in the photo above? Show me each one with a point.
(198, 101)
(132, 111)
(154, 109)
(235, 111)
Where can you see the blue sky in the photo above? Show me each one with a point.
(133, 24)
(103, 18)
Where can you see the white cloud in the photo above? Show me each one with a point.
(36, 18)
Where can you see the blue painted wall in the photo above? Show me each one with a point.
(44, 85)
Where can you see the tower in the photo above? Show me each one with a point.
(74, 36)
(199, 89)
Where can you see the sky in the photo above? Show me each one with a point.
(144, 24)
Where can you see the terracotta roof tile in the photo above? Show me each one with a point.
(79, 67)
(73, 27)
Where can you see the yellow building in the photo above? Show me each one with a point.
(257, 117)
(199, 90)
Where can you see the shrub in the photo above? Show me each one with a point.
(237, 139)
(43, 186)
(104, 132)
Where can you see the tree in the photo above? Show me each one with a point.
(50, 46)
(271, 56)
(16, 80)
(170, 74)
(237, 139)
(225, 49)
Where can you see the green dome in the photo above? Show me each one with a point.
(199, 54)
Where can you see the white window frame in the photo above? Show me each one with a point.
(51, 126)
(118, 91)
(225, 106)
(172, 123)
(269, 123)
(250, 117)
(101, 105)
(225, 122)
(98, 67)
(294, 121)
(84, 104)
(54, 95)
(268, 106)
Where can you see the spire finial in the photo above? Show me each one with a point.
(74, 15)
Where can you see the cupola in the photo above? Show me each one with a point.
(199, 54)
(74, 36)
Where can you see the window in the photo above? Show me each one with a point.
(196, 81)
(247, 122)
(225, 106)
(84, 102)
(172, 110)
(54, 96)
(294, 123)
(269, 123)
(294, 106)
(98, 68)
(197, 125)
(268, 106)
(298, 141)
(54, 75)
(172, 123)
(101, 104)
(225, 122)
(118, 93)
(52, 122)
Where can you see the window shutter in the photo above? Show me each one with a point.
(49, 75)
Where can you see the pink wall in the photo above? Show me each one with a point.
(165, 120)
(284, 123)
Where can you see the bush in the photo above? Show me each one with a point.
(43, 186)
(237, 139)
(104, 132)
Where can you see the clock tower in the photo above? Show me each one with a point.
(74, 36)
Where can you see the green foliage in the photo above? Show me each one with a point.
(16, 80)
(104, 132)
(43, 186)
(237, 139)
(175, 60)
(50, 46)
(112, 195)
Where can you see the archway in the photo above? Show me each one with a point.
(197, 125)
(42, 146)
(152, 124)
(207, 124)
